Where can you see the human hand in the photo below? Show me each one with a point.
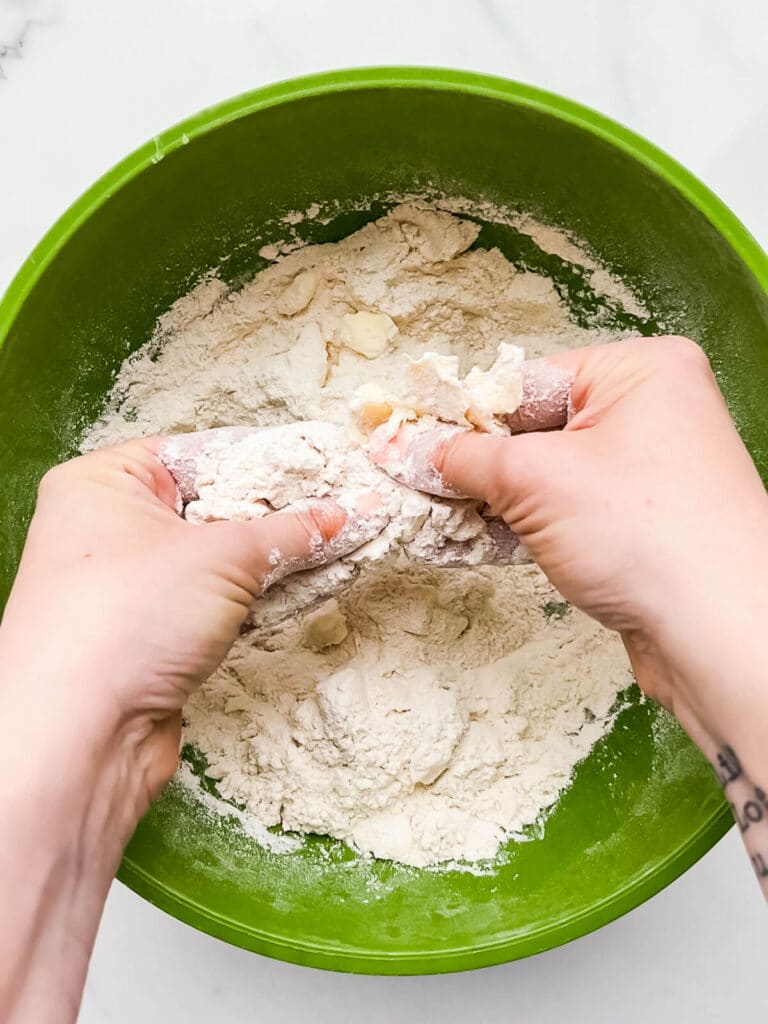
(138, 605)
(634, 510)
(120, 608)
(486, 542)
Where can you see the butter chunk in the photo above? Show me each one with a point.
(498, 391)
(327, 628)
(299, 293)
(367, 333)
(371, 407)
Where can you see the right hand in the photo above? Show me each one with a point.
(645, 511)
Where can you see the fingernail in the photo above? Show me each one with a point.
(386, 447)
(364, 517)
(409, 456)
(368, 503)
(354, 528)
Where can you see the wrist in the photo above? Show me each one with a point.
(702, 654)
(71, 785)
(63, 812)
(80, 760)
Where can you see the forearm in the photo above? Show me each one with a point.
(64, 802)
(52, 887)
(749, 803)
(710, 667)
(735, 741)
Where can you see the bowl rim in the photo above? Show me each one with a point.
(641, 888)
(393, 77)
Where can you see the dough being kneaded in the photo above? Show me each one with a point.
(432, 387)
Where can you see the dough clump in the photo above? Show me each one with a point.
(432, 387)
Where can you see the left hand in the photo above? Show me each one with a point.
(120, 608)
(134, 606)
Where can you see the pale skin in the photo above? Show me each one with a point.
(137, 608)
(646, 511)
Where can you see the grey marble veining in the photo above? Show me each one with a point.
(20, 20)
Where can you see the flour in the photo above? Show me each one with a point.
(421, 714)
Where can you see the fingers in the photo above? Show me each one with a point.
(320, 531)
(179, 453)
(498, 546)
(302, 536)
(408, 455)
(481, 466)
(570, 389)
(448, 461)
(151, 471)
(546, 400)
(122, 466)
(604, 374)
(453, 462)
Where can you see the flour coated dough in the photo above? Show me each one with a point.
(431, 387)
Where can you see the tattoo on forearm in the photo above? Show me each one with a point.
(749, 804)
(752, 811)
(727, 766)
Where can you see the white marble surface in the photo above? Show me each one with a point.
(82, 82)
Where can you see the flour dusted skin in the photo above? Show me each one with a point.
(420, 714)
(253, 473)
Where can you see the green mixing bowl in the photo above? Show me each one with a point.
(208, 193)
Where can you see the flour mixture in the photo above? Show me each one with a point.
(422, 714)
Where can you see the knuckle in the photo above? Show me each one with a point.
(520, 468)
(682, 351)
(54, 479)
(511, 463)
(503, 470)
(447, 455)
(506, 472)
(457, 449)
(308, 521)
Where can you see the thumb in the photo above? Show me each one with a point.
(456, 463)
(301, 536)
(497, 470)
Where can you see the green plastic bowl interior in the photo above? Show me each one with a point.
(208, 194)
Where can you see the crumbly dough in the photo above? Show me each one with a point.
(423, 714)
(432, 387)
